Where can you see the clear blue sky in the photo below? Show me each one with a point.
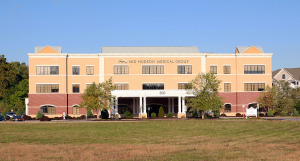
(84, 26)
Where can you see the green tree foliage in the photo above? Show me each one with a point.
(128, 115)
(205, 88)
(7, 76)
(39, 115)
(161, 112)
(153, 114)
(13, 84)
(98, 96)
(281, 97)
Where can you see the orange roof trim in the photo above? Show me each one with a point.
(252, 50)
(48, 49)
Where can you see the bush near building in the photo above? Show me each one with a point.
(161, 112)
(153, 114)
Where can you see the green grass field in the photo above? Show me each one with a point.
(152, 140)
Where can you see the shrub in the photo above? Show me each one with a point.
(283, 113)
(45, 118)
(26, 117)
(19, 112)
(128, 115)
(10, 119)
(161, 112)
(238, 115)
(296, 113)
(216, 113)
(195, 114)
(153, 114)
(89, 113)
(169, 115)
(39, 115)
(261, 114)
(104, 114)
(143, 117)
(3, 113)
(270, 112)
(223, 114)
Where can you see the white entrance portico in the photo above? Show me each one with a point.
(139, 100)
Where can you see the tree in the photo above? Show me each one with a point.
(267, 99)
(98, 96)
(279, 98)
(205, 88)
(161, 112)
(7, 76)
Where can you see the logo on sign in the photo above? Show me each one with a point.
(162, 92)
(122, 61)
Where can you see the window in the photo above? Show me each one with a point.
(76, 109)
(213, 69)
(153, 86)
(76, 88)
(89, 70)
(47, 109)
(227, 87)
(153, 69)
(47, 70)
(254, 69)
(121, 69)
(76, 70)
(227, 69)
(283, 76)
(47, 88)
(184, 85)
(254, 86)
(184, 69)
(227, 108)
(121, 86)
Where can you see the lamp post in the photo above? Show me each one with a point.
(149, 112)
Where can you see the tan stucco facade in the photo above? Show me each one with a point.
(103, 65)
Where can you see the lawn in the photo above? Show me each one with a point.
(152, 140)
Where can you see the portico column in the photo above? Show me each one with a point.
(179, 104)
(141, 105)
(144, 107)
(183, 105)
(133, 105)
(116, 106)
(172, 105)
(169, 105)
(112, 106)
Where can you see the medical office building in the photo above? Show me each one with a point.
(145, 78)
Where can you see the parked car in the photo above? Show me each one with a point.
(11, 114)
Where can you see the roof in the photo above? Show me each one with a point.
(39, 48)
(295, 72)
(275, 72)
(150, 50)
(242, 49)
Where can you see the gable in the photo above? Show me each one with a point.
(47, 49)
(252, 50)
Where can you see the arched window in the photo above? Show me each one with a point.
(76, 110)
(47, 109)
(283, 76)
(227, 107)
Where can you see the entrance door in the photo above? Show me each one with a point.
(153, 108)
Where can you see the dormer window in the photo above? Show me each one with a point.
(283, 76)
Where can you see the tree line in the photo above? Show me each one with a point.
(13, 85)
(280, 99)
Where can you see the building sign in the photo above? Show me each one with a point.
(149, 61)
(251, 112)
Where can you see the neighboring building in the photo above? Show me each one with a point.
(291, 75)
(145, 78)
